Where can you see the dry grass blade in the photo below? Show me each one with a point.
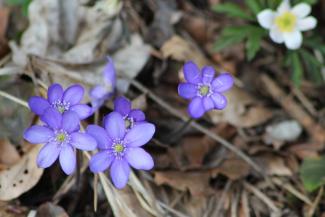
(313, 207)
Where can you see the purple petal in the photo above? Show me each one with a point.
(83, 141)
(122, 105)
(70, 121)
(38, 134)
(140, 134)
(100, 161)
(196, 108)
(222, 83)
(73, 94)
(139, 159)
(68, 159)
(187, 90)
(52, 118)
(192, 72)
(114, 125)
(97, 92)
(83, 111)
(38, 104)
(137, 115)
(48, 155)
(101, 136)
(208, 103)
(207, 74)
(54, 93)
(120, 171)
(110, 74)
(220, 101)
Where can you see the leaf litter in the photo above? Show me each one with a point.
(67, 41)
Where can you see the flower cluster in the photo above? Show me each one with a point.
(125, 130)
(286, 23)
(204, 90)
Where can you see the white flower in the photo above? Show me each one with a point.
(286, 23)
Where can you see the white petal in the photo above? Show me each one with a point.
(276, 35)
(265, 18)
(284, 6)
(301, 10)
(293, 40)
(307, 23)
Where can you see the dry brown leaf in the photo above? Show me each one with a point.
(140, 102)
(21, 176)
(4, 17)
(8, 153)
(242, 110)
(10, 210)
(233, 168)
(196, 182)
(308, 150)
(273, 165)
(50, 210)
(179, 49)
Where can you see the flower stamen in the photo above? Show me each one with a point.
(286, 22)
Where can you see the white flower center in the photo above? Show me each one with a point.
(286, 22)
(118, 148)
(61, 106)
(204, 90)
(61, 137)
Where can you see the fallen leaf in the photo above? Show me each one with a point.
(179, 49)
(8, 153)
(4, 17)
(309, 150)
(196, 182)
(50, 210)
(233, 168)
(273, 165)
(8, 209)
(140, 102)
(20, 177)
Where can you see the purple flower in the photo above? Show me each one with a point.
(100, 93)
(62, 101)
(61, 137)
(119, 148)
(204, 90)
(130, 116)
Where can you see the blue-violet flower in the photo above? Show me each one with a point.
(204, 90)
(62, 101)
(130, 116)
(61, 137)
(100, 93)
(120, 148)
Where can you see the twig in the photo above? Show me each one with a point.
(245, 205)
(262, 197)
(313, 207)
(222, 198)
(95, 192)
(293, 109)
(304, 101)
(13, 98)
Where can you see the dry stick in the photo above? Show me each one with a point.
(198, 127)
(312, 209)
(14, 99)
(262, 197)
(293, 109)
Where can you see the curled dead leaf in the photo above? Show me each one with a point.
(21, 176)
(8, 153)
(51, 210)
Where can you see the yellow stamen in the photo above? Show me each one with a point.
(286, 22)
(204, 90)
(118, 148)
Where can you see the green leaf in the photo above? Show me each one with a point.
(253, 45)
(297, 70)
(310, 2)
(312, 173)
(232, 10)
(226, 41)
(312, 65)
(254, 6)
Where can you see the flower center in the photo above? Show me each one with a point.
(61, 137)
(204, 90)
(286, 22)
(61, 106)
(118, 148)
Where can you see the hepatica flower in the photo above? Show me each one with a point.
(120, 148)
(286, 23)
(203, 89)
(102, 92)
(130, 116)
(62, 101)
(61, 137)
